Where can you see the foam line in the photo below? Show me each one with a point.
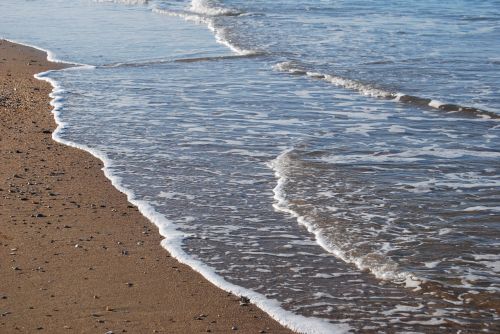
(208, 20)
(369, 90)
(386, 270)
(173, 238)
(205, 7)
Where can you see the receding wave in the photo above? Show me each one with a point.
(381, 266)
(372, 91)
(200, 17)
(365, 255)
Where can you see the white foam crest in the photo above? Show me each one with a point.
(364, 89)
(219, 33)
(209, 8)
(367, 89)
(173, 238)
(436, 104)
(360, 87)
(382, 267)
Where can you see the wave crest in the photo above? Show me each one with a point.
(210, 8)
(295, 68)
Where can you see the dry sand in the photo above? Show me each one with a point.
(75, 256)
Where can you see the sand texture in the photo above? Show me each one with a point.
(75, 256)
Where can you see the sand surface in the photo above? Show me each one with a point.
(75, 256)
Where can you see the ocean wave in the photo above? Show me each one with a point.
(370, 90)
(376, 262)
(211, 8)
(198, 18)
(173, 238)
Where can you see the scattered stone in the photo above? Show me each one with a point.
(244, 301)
(109, 309)
(234, 328)
(129, 284)
(40, 215)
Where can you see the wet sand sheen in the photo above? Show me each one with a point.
(75, 255)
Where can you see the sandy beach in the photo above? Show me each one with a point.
(75, 256)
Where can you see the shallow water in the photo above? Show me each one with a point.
(282, 155)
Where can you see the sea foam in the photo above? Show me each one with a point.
(173, 238)
(381, 266)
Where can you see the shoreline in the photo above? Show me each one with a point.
(76, 255)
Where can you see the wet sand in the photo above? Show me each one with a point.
(75, 256)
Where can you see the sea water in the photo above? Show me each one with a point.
(336, 161)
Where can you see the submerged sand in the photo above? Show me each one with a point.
(75, 256)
